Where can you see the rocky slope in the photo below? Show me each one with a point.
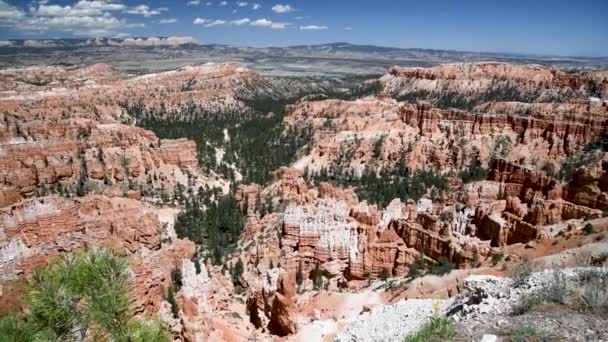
(37, 229)
(467, 84)
(376, 132)
(534, 191)
(81, 156)
(520, 175)
(75, 175)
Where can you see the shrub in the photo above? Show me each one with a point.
(559, 289)
(599, 260)
(521, 273)
(588, 229)
(475, 262)
(299, 275)
(443, 266)
(586, 291)
(592, 289)
(594, 295)
(385, 274)
(475, 171)
(526, 302)
(83, 296)
(436, 329)
(317, 277)
(502, 147)
(141, 330)
(496, 257)
(197, 264)
(525, 333)
(170, 297)
(237, 272)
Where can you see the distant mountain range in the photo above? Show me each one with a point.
(330, 56)
(337, 47)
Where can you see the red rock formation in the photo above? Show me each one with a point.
(38, 229)
(422, 117)
(473, 79)
(80, 156)
(282, 322)
(327, 190)
(589, 187)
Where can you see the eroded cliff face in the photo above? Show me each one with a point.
(515, 202)
(99, 92)
(330, 240)
(484, 81)
(78, 156)
(75, 173)
(65, 130)
(37, 229)
(375, 133)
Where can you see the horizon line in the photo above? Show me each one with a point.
(195, 42)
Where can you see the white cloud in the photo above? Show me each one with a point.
(313, 27)
(278, 8)
(9, 12)
(84, 17)
(234, 11)
(93, 32)
(241, 22)
(269, 23)
(193, 3)
(224, 3)
(135, 25)
(101, 5)
(167, 21)
(121, 35)
(242, 3)
(216, 22)
(145, 10)
(208, 3)
(256, 6)
(80, 9)
(348, 28)
(78, 25)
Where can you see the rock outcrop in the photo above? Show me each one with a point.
(484, 81)
(75, 173)
(76, 157)
(37, 229)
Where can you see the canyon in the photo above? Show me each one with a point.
(419, 179)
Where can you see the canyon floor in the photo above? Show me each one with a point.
(260, 204)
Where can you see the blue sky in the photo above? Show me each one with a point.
(563, 27)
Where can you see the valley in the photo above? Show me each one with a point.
(313, 193)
